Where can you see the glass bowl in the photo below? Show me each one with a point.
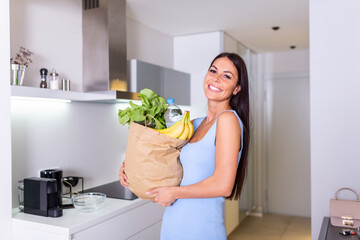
(88, 202)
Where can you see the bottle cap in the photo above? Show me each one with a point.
(43, 71)
(54, 73)
(170, 100)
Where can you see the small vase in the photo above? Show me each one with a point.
(18, 73)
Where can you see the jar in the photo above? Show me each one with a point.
(54, 80)
(65, 85)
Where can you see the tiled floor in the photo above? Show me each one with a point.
(273, 227)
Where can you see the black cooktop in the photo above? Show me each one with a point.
(114, 190)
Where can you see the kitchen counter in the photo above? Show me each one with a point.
(73, 222)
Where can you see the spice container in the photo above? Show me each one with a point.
(65, 85)
(54, 80)
(43, 73)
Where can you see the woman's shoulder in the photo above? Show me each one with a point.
(228, 117)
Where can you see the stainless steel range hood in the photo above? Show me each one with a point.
(104, 48)
(105, 66)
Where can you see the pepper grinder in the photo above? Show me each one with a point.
(43, 73)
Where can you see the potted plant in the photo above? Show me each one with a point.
(19, 65)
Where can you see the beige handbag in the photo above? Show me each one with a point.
(345, 213)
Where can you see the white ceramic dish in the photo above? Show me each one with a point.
(88, 202)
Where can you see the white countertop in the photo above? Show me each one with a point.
(74, 221)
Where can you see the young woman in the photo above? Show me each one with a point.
(214, 160)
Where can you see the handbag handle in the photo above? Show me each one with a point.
(357, 196)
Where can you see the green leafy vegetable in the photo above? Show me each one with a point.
(151, 104)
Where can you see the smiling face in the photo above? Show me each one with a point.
(221, 80)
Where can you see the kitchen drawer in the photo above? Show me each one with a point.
(125, 225)
(33, 234)
(150, 233)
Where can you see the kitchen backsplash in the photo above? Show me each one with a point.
(83, 139)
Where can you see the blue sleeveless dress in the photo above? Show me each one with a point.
(197, 218)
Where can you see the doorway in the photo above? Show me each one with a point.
(287, 123)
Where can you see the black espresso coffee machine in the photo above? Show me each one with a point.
(41, 197)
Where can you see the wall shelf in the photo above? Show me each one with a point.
(41, 93)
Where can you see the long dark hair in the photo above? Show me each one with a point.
(240, 103)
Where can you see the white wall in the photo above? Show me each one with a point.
(148, 45)
(5, 142)
(286, 62)
(52, 30)
(335, 102)
(193, 54)
(230, 44)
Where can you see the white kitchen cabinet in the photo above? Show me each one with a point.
(150, 233)
(118, 219)
(123, 226)
(28, 233)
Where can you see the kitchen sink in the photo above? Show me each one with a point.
(114, 190)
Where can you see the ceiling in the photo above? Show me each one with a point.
(248, 21)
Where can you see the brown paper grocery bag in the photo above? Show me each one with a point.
(151, 160)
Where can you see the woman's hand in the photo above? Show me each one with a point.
(164, 196)
(122, 176)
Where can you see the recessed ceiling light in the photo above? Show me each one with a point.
(275, 28)
(292, 46)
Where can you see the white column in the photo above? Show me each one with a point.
(5, 125)
(258, 138)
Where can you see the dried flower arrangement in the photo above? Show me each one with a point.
(22, 57)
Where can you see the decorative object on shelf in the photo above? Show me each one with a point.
(19, 65)
(65, 85)
(54, 80)
(43, 74)
(345, 213)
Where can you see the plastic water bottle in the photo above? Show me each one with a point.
(173, 113)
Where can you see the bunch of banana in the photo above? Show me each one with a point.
(182, 129)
